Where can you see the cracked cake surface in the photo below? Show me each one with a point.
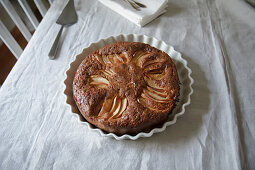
(126, 87)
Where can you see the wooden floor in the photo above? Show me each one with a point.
(7, 59)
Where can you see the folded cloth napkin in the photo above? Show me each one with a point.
(141, 17)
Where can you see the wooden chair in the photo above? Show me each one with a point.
(5, 34)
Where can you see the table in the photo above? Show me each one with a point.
(217, 38)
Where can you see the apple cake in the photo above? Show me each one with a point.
(126, 87)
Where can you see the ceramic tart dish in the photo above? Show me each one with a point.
(127, 86)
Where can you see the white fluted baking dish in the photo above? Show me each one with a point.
(184, 73)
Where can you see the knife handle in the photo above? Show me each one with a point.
(54, 47)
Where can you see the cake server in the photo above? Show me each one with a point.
(67, 17)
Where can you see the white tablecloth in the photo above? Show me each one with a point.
(217, 38)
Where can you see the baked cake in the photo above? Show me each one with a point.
(126, 87)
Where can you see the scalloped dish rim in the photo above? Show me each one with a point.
(161, 45)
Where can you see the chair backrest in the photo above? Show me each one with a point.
(6, 36)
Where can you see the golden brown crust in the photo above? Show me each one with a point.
(126, 87)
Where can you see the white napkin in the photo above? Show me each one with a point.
(141, 17)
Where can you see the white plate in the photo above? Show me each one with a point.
(184, 73)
